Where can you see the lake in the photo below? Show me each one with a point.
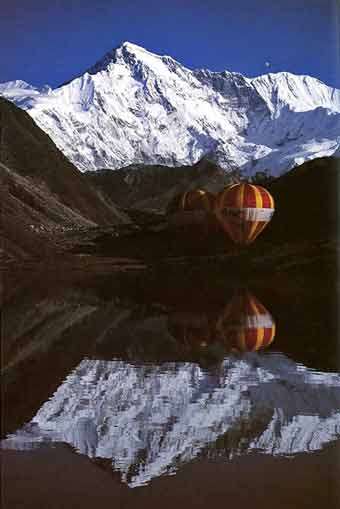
(176, 387)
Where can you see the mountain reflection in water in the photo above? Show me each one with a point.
(144, 418)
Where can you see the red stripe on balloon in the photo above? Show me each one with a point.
(268, 335)
(249, 197)
(247, 227)
(258, 230)
(251, 338)
(266, 201)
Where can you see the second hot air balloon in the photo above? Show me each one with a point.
(193, 200)
(194, 207)
(244, 210)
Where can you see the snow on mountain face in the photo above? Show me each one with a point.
(137, 107)
(22, 93)
(147, 420)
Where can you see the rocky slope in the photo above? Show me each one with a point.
(306, 197)
(153, 187)
(41, 191)
(304, 228)
(306, 202)
(135, 107)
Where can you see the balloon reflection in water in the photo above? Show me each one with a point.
(245, 324)
(192, 329)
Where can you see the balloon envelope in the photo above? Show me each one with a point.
(196, 199)
(244, 210)
(246, 324)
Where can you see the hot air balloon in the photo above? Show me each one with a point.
(244, 210)
(192, 208)
(245, 323)
(196, 199)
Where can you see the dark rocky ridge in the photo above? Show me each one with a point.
(306, 202)
(304, 226)
(153, 187)
(306, 198)
(41, 191)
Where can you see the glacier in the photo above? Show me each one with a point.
(136, 107)
(146, 420)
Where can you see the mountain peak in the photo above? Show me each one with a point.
(133, 48)
(129, 53)
(137, 107)
(121, 52)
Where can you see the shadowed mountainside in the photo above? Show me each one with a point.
(41, 190)
(306, 216)
(306, 201)
(306, 197)
(146, 187)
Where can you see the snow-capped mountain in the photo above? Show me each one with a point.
(146, 420)
(137, 107)
(22, 93)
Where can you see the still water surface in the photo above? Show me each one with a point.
(135, 392)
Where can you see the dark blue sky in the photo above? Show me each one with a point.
(50, 41)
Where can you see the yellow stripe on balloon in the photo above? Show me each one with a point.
(240, 232)
(184, 197)
(240, 196)
(260, 331)
(259, 338)
(252, 232)
(273, 334)
(258, 202)
(204, 200)
(257, 233)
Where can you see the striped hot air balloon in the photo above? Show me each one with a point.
(244, 210)
(246, 324)
(196, 199)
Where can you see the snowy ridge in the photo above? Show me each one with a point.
(22, 93)
(137, 107)
(147, 420)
